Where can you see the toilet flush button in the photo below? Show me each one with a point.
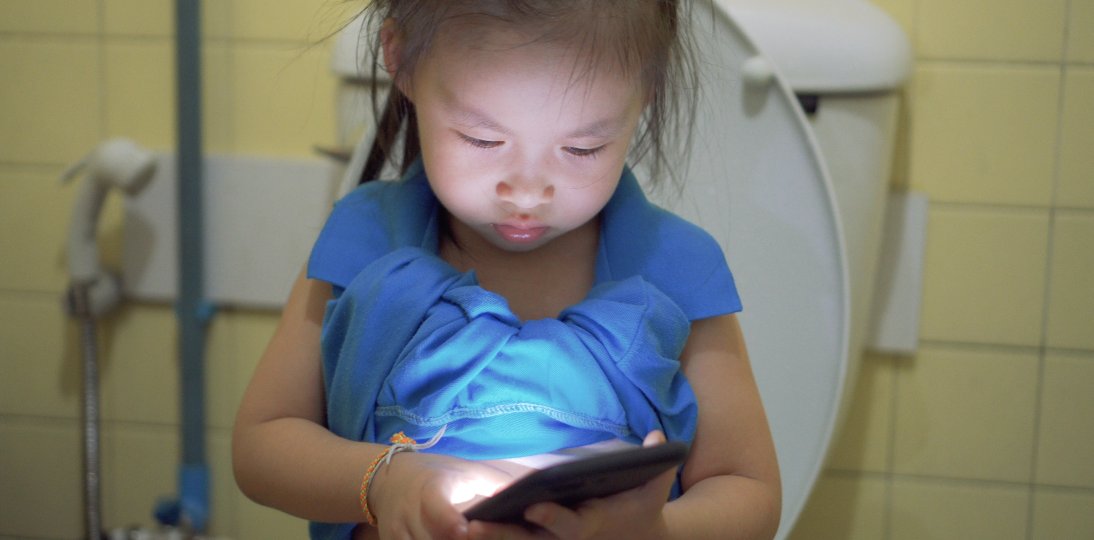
(757, 71)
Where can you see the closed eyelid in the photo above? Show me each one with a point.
(469, 118)
(480, 143)
(601, 129)
(585, 152)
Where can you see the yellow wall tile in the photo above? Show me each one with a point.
(42, 480)
(1076, 188)
(139, 17)
(984, 134)
(1071, 289)
(49, 16)
(35, 216)
(899, 177)
(42, 362)
(140, 366)
(216, 19)
(902, 11)
(1080, 43)
(140, 92)
(223, 490)
(923, 509)
(253, 330)
(283, 101)
(305, 21)
(140, 465)
(984, 276)
(991, 29)
(863, 442)
(34, 221)
(255, 521)
(220, 359)
(52, 115)
(1066, 430)
(1062, 514)
(236, 341)
(966, 414)
(157, 18)
(844, 507)
(217, 98)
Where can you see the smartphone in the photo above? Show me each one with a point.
(572, 482)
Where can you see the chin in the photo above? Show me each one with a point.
(520, 247)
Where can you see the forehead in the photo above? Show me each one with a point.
(507, 59)
(530, 86)
(581, 50)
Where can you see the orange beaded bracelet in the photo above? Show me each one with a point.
(399, 443)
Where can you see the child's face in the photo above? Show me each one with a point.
(518, 147)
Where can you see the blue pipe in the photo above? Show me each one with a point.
(191, 509)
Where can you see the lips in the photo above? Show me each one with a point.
(520, 234)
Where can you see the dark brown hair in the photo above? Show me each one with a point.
(644, 38)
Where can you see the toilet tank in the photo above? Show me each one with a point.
(845, 60)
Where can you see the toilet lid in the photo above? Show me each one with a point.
(756, 183)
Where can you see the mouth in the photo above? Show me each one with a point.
(520, 234)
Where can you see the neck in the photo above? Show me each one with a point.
(538, 283)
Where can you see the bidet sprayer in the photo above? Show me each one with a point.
(116, 163)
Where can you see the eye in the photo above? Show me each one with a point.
(479, 143)
(583, 152)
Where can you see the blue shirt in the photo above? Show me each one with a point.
(410, 344)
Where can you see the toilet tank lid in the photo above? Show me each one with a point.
(829, 46)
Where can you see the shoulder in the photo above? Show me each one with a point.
(675, 255)
(372, 220)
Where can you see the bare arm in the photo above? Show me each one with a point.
(282, 453)
(284, 456)
(731, 479)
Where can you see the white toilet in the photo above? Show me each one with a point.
(796, 200)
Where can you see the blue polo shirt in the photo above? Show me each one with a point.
(410, 344)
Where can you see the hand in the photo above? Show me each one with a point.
(635, 513)
(415, 495)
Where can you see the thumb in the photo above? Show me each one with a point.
(660, 485)
(654, 438)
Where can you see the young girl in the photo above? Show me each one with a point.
(513, 294)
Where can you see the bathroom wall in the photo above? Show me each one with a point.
(985, 433)
(76, 72)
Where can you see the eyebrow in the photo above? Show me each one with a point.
(474, 118)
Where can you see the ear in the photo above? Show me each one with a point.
(391, 45)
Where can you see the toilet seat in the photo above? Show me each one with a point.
(756, 181)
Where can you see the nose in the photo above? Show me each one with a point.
(525, 193)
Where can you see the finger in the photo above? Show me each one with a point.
(561, 522)
(482, 530)
(464, 506)
(661, 485)
(442, 519)
(654, 438)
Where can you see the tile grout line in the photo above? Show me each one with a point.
(1042, 353)
(954, 480)
(890, 454)
(103, 73)
(897, 368)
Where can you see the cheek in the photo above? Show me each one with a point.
(583, 202)
(461, 198)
